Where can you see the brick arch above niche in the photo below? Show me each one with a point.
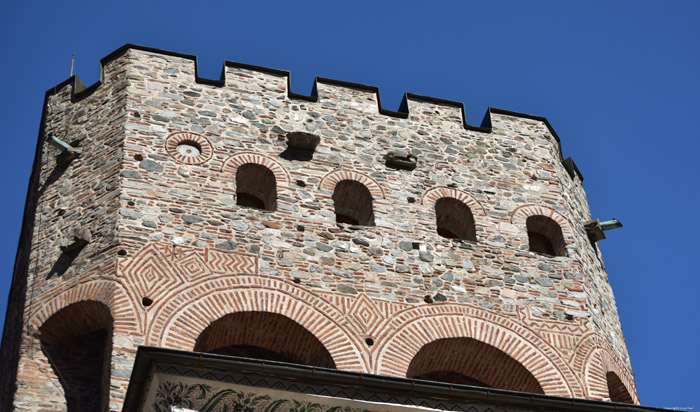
(469, 361)
(232, 163)
(407, 332)
(77, 342)
(240, 334)
(179, 324)
(519, 216)
(594, 357)
(330, 180)
(107, 292)
(432, 195)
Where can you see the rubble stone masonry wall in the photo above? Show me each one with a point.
(169, 251)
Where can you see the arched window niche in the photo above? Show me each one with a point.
(77, 340)
(353, 203)
(467, 361)
(256, 187)
(263, 335)
(617, 390)
(454, 219)
(545, 236)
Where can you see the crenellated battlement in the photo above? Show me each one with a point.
(209, 215)
(323, 88)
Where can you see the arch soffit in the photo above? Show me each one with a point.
(591, 350)
(210, 301)
(102, 291)
(330, 180)
(432, 195)
(410, 330)
(232, 163)
(521, 213)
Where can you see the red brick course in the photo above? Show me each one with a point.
(171, 253)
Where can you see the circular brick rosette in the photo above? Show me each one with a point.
(189, 148)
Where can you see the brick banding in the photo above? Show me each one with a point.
(171, 248)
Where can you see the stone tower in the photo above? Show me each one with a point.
(235, 217)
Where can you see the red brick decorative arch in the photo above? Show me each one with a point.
(432, 195)
(329, 181)
(106, 292)
(240, 334)
(595, 358)
(469, 361)
(403, 337)
(231, 165)
(179, 324)
(519, 217)
(82, 368)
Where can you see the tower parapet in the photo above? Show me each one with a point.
(200, 225)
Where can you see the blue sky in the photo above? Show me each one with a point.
(619, 81)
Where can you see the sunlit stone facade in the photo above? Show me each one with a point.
(235, 217)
